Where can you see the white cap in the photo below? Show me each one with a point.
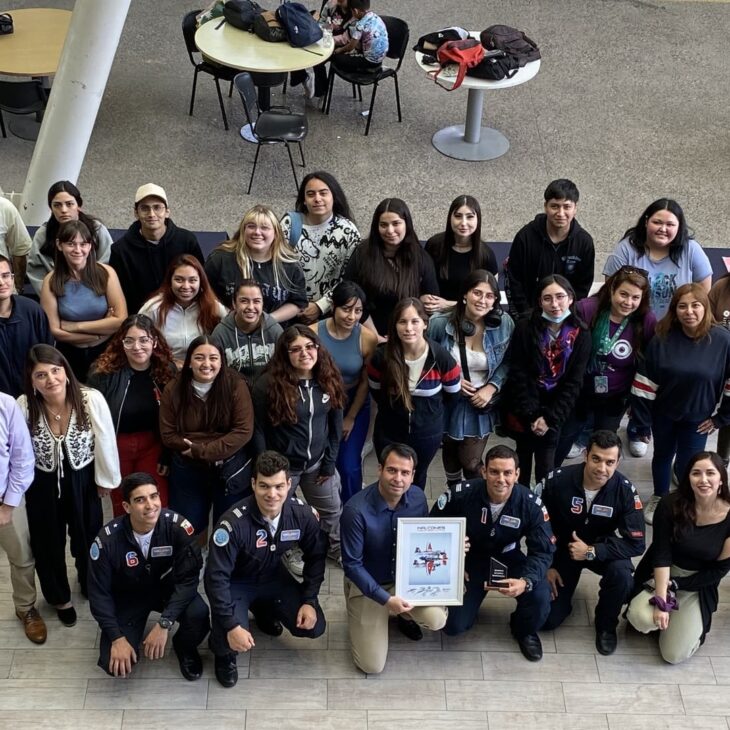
(150, 189)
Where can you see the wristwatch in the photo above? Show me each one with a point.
(590, 553)
(165, 623)
(528, 584)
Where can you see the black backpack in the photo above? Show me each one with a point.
(512, 41)
(495, 66)
(301, 28)
(241, 13)
(430, 42)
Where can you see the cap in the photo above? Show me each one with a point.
(150, 189)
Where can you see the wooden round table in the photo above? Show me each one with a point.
(34, 48)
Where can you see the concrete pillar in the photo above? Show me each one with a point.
(78, 87)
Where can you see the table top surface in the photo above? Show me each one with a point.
(34, 48)
(245, 51)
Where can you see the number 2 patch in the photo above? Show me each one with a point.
(261, 538)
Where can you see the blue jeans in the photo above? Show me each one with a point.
(349, 457)
(673, 438)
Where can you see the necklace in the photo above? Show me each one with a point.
(56, 416)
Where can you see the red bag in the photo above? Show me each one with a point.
(466, 54)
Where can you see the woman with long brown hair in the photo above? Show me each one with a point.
(298, 403)
(185, 306)
(131, 374)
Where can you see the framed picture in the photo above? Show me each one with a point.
(429, 567)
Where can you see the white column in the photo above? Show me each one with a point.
(78, 87)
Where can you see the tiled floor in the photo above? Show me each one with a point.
(479, 680)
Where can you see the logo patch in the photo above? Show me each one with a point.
(94, 550)
(442, 500)
(162, 551)
(221, 537)
(132, 559)
(636, 533)
(577, 505)
(287, 535)
(261, 538)
(509, 547)
(187, 527)
(545, 515)
(637, 502)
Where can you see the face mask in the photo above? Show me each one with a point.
(557, 320)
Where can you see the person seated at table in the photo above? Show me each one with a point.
(258, 250)
(64, 200)
(457, 252)
(368, 42)
(185, 306)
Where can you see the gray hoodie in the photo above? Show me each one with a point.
(247, 353)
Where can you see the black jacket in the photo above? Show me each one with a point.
(533, 256)
(141, 265)
(617, 507)
(315, 435)
(120, 575)
(523, 515)
(242, 550)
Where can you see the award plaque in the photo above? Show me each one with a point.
(497, 573)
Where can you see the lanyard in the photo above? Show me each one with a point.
(604, 349)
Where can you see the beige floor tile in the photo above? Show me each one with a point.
(61, 719)
(498, 696)
(705, 699)
(492, 638)
(299, 719)
(553, 667)
(432, 665)
(76, 663)
(721, 667)
(386, 720)
(544, 721)
(198, 719)
(659, 722)
(42, 694)
(717, 643)
(633, 669)
(642, 699)
(296, 664)
(81, 636)
(396, 694)
(582, 640)
(274, 694)
(6, 661)
(155, 694)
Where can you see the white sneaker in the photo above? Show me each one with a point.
(638, 448)
(650, 509)
(309, 84)
(576, 450)
(293, 561)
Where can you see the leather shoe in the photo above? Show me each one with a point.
(606, 642)
(268, 625)
(191, 665)
(226, 670)
(531, 647)
(410, 629)
(34, 626)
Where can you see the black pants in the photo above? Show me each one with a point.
(77, 508)
(541, 448)
(194, 626)
(615, 589)
(354, 62)
(279, 599)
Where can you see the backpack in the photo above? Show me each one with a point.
(466, 54)
(299, 25)
(268, 28)
(512, 41)
(495, 66)
(430, 42)
(241, 13)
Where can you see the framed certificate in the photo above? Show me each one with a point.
(429, 567)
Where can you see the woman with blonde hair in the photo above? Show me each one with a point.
(258, 251)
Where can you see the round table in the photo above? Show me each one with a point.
(34, 48)
(471, 141)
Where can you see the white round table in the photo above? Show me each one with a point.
(471, 141)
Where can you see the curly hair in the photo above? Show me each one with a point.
(283, 397)
(114, 357)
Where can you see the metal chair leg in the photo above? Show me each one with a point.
(354, 92)
(301, 152)
(397, 97)
(359, 92)
(330, 88)
(220, 101)
(372, 104)
(253, 171)
(230, 90)
(293, 169)
(2, 127)
(192, 96)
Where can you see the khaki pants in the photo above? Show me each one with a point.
(681, 639)
(15, 541)
(367, 623)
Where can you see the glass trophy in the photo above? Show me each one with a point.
(497, 573)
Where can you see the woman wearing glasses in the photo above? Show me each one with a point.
(298, 403)
(82, 298)
(549, 352)
(621, 326)
(258, 251)
(131, 374)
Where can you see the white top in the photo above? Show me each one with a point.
(476, 362)
(14, 237)
(590, 496)
(273, 524)
(415, 368)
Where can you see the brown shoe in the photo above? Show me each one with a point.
(35, 627)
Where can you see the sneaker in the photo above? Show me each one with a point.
(650, 509)
(309, 84)
(638, 448)
(294, 562)
(576, 450)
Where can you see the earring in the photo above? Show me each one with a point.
(67, 381)
(463, 301)
(35, 392)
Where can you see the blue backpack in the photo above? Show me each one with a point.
(301, 28)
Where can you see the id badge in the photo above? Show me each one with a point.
(600, 384)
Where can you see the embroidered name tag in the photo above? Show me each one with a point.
(508, 521)
(601, 510)
(163, 551)
(287, 535)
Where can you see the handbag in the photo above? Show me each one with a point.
(6, 24)
(464, 54)
(235, 473)
(268, 28)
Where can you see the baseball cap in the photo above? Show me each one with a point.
(150, 189)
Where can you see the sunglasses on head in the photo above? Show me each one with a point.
(634, 270)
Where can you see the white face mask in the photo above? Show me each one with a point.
(559, 319)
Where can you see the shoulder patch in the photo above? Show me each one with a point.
(299, 501)
(227, 525)
(95, 549)
(221, 537)
(545, 515)
(237, 512)
(443, 500)
(185, 524)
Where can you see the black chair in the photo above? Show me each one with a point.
(275, 126)
(398, 35)
(21, 97)
(217, 72)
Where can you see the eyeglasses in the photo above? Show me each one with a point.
(488, 296)
(7, 276)
(299, 350)
(549, 299)
(76, 244)
(129, 342)
(154, 208)
(634, 270)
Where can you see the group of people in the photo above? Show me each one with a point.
(212, 389)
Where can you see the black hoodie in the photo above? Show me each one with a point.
(534, 256)
(141, 265)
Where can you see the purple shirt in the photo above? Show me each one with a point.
(17, 461)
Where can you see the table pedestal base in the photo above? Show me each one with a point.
(489, 145)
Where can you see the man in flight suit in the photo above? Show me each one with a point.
(245, 569)
(499, 513)
(589, 503)
(147, 561)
